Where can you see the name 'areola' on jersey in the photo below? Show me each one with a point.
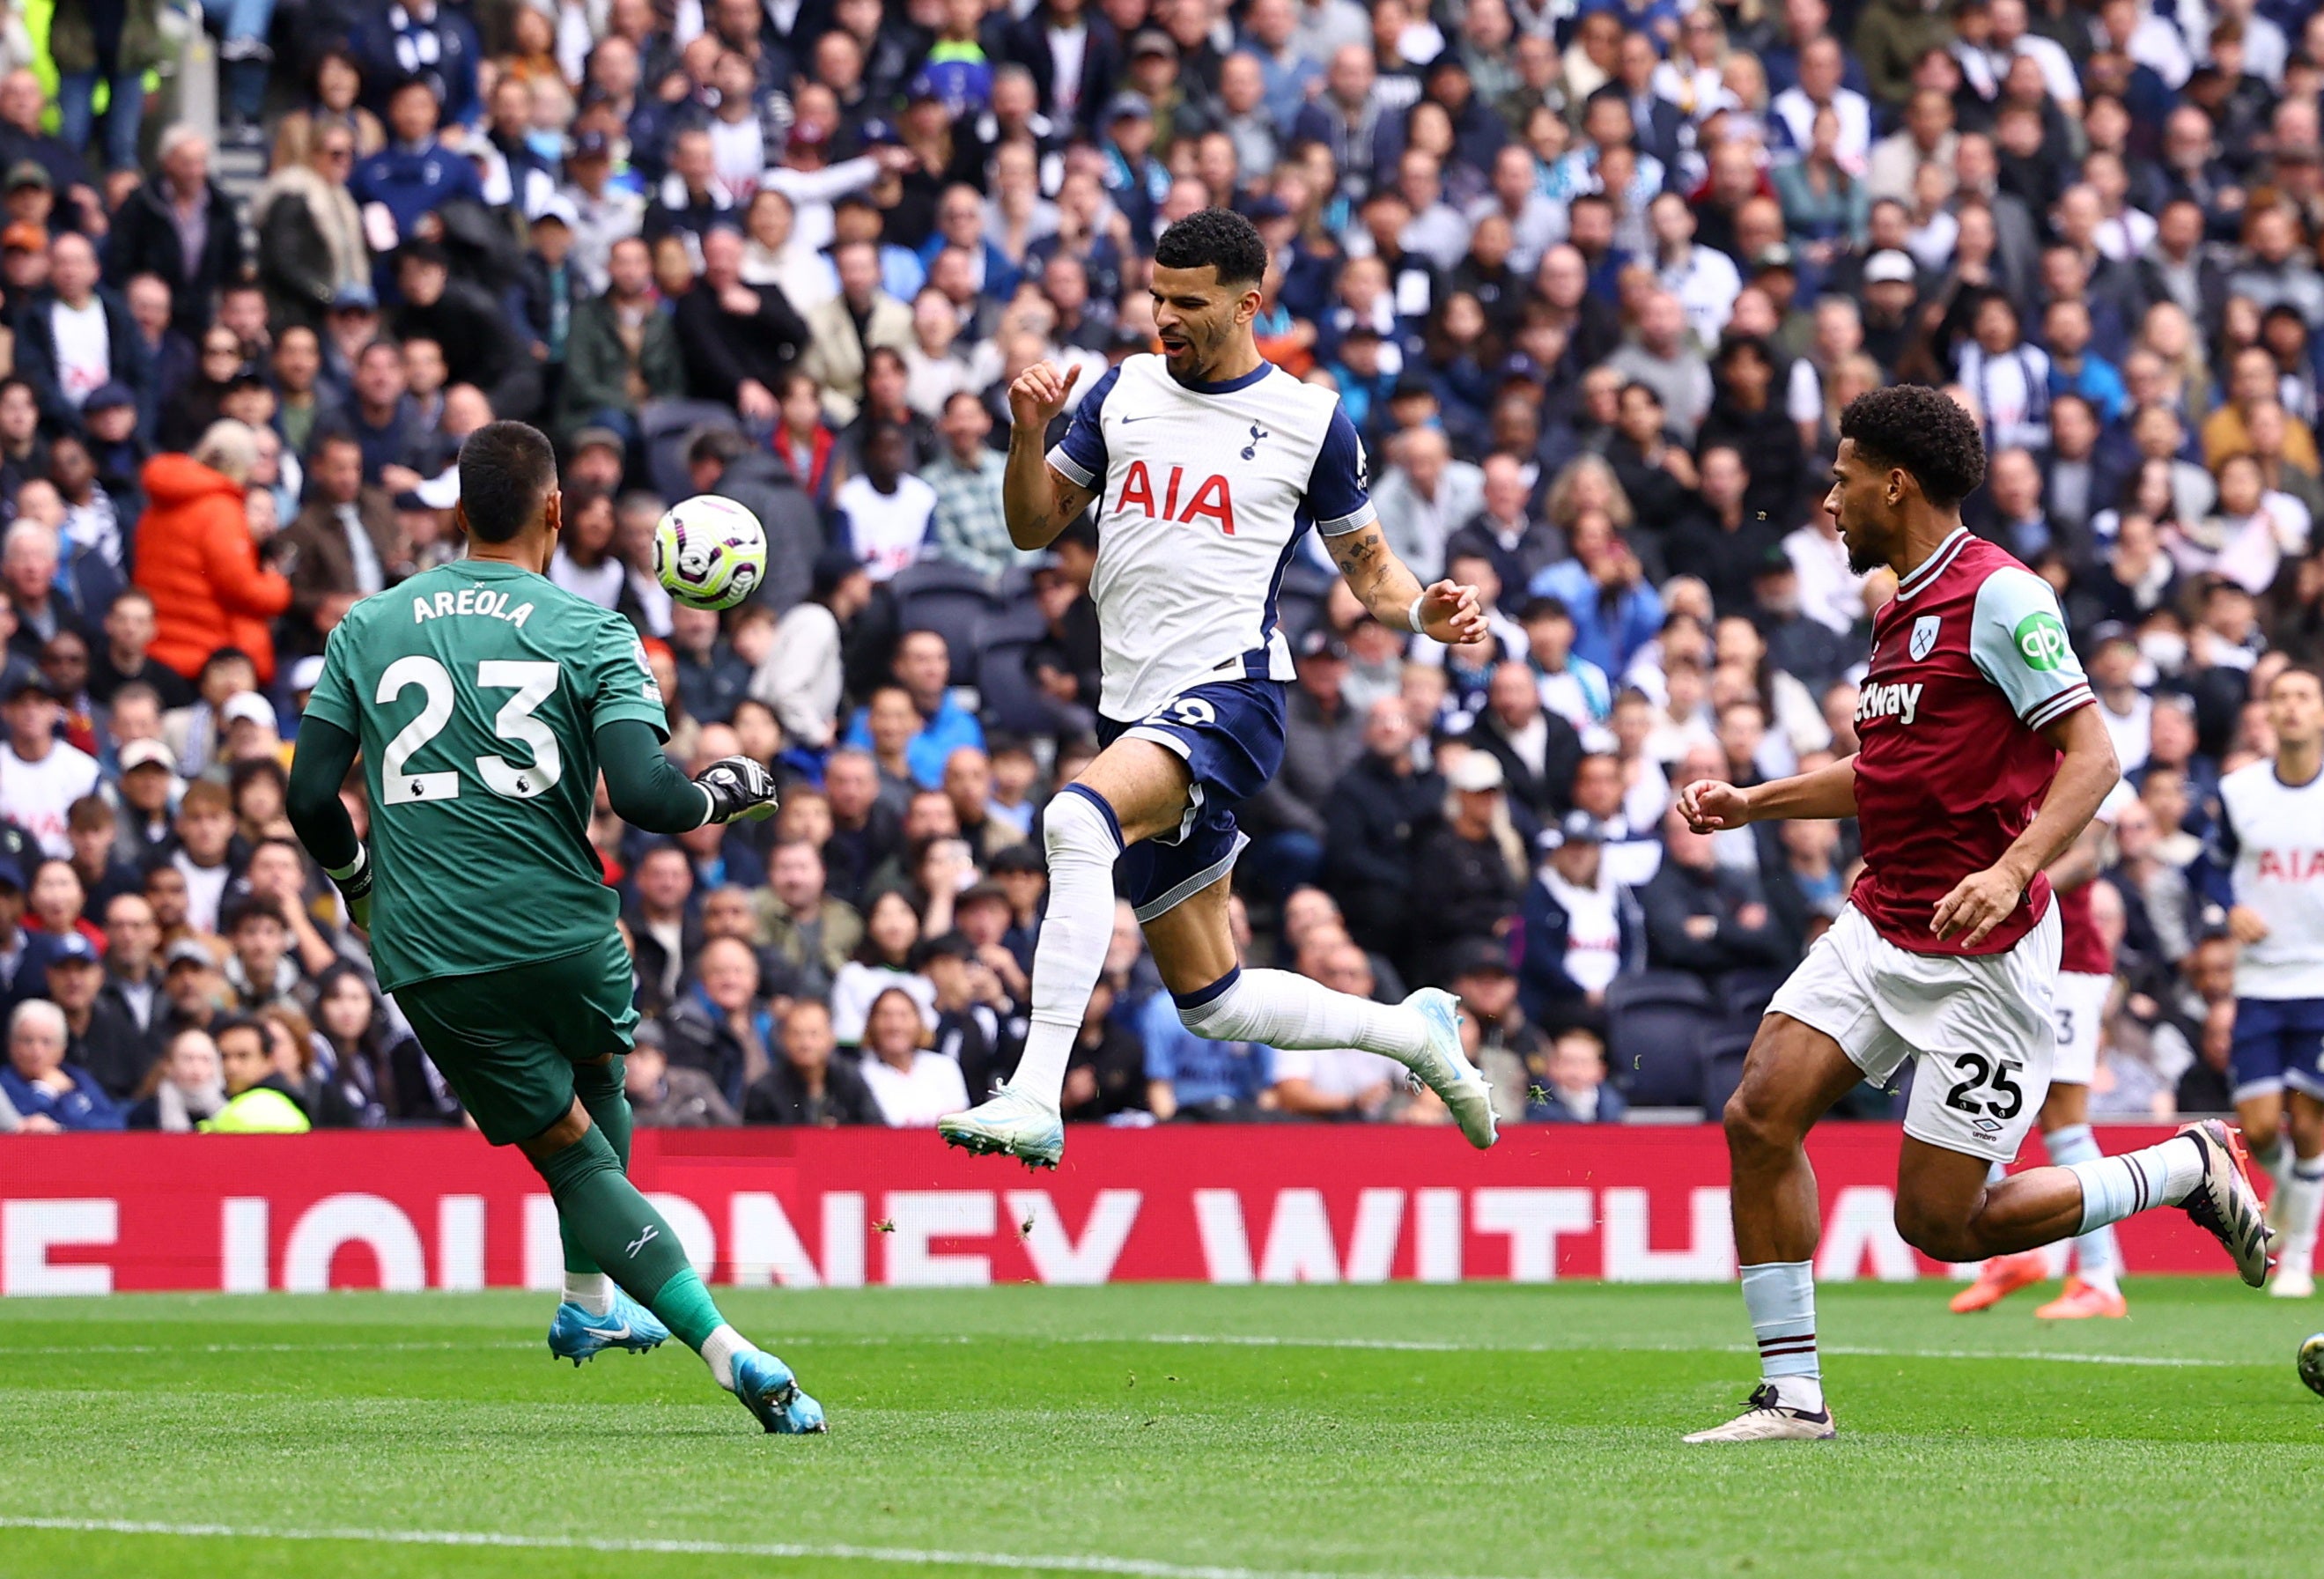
(1204, 493)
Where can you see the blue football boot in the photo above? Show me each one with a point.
(772, 1395)
(577, 1336)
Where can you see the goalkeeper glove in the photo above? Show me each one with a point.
(740, 789)
(353, 884)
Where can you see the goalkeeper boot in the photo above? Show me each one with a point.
(1444, 1068)
(1008, 1125)
(577, 1336)
(772, 1395)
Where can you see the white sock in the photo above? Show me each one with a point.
(2114, 1187)
(2097, 1260)
(592, 1291)
(1781, 1297)
(1084, 839)
(718, 1351)
(2303, 1196)
(1281, 1009)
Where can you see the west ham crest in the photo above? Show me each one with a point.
(1925, 636)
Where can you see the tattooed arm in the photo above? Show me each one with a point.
(1449, 611)
(1038, 499)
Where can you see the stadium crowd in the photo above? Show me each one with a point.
(1594, 282)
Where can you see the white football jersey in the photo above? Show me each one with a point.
(2269, 840)
(1203, 495)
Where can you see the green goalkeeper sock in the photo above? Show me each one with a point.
(621, 1231)
(603, 1094)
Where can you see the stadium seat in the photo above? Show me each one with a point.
(1659, 1023)
(665, 426)
(1012, 704)
(1722, 1069)
(1743, 995)
(952, 600)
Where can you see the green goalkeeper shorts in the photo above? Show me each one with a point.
(506, 1040)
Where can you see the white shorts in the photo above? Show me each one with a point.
(1979, 1025)
(2078, 1006)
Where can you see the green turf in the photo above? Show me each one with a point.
(1059, 1423)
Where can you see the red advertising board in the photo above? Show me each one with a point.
(95, 1214)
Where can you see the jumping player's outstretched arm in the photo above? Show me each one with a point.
(1392, 595)
(1829, 792)
(1038, 500)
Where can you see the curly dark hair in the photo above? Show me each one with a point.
(1921, 430)
(1217, 237)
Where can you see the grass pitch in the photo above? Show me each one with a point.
(1171, 1432)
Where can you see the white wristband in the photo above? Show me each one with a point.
(1411, 615)
(353, 869)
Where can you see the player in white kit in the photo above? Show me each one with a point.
(1208, 464)
(2269, 845)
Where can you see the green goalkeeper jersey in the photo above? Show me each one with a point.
(475, 690)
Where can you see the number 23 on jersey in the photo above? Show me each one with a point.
(533, 682)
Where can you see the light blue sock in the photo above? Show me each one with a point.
(2096, 1258)
(1781, 1297)
(2114, 1187)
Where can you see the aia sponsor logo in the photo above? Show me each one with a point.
(2291, 865)
(1210, 499)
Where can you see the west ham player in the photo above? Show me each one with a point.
(2269, 845)
(1208, 464)
(1973, 713)
(2078, 1008)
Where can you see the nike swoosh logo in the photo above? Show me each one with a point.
(1126, 422)
(610, 1335)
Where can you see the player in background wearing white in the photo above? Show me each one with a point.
(2078, 1004)
(1973, 713)
(1208, 464)
(2269, 847)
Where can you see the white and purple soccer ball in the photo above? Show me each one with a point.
(709, 553)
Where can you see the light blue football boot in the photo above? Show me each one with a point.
(577, 1336)
(1444, 1068)
(1013, 1125)
(772, 1395)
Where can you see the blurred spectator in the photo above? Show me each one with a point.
(1581, 929)
(667, 1096)
(1704, 918)
(912, 1086)
(1464, 869)
(923, 668)
(75, 337)
(1574, 1089)
(1373, 817)
(261, 1099)
(41, 776)
(197, 560)
(184, 1087)
(808, 1084)
(48, 1093)
(181, 226)
(342, 547)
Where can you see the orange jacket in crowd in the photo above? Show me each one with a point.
(196, 557)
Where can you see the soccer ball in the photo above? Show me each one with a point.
(709, 553)
(2311, 1363)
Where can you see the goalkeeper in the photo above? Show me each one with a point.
(484, 699)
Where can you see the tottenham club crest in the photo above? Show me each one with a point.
(1925, 636)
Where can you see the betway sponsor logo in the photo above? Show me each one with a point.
(1898, 701)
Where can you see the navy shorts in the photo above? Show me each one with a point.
(1230, 736)
(2279, 1042)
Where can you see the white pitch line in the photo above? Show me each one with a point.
(1141, 1567)
(1196, 1340)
